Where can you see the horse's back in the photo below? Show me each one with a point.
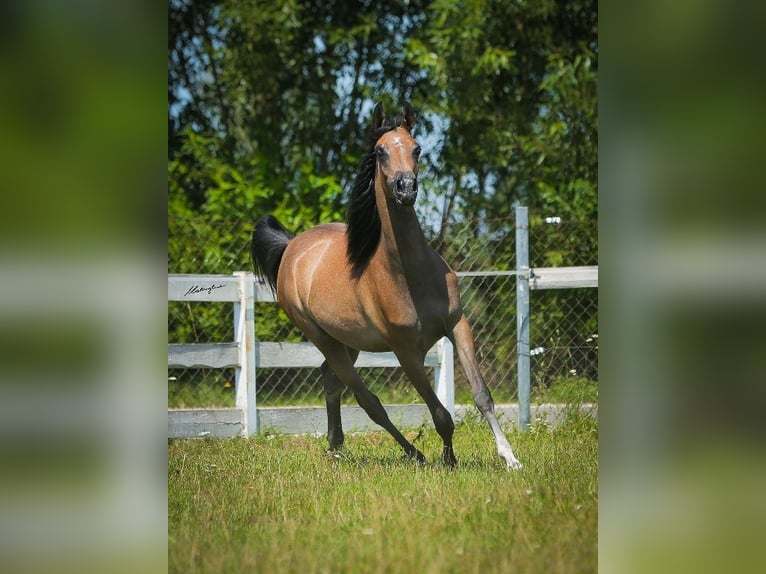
(319, 250)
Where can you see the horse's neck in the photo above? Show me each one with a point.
(402, 241)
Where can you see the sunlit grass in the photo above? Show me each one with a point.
(567, 390)
(281, 504)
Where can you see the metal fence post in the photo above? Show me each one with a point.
(244, 333)
(522, 313)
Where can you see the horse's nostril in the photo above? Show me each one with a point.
(405, 188)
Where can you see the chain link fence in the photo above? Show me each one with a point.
(564, 323)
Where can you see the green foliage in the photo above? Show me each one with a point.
(269, 104)
(273, 99)
(516, 83)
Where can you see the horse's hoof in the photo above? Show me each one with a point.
(336, 441)
(333, 453)
(418, 457)
(449, 460)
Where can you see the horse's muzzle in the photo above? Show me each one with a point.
(405, 189)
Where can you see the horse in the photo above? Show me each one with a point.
(375, 284)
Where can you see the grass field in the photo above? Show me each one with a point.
(278, 504)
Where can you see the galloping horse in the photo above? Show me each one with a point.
(375, 284)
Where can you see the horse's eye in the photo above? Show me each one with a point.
(380, 150)
(416, 152)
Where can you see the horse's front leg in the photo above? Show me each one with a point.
(413, 367)
(462, 338)
(341, 361)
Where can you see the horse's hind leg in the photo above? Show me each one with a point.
(413, 366)
(341, 360)
(333, 389)
(463, 340)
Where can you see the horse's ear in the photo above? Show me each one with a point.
(378, 117)
(408, 118)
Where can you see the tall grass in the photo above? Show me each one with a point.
(281, 504)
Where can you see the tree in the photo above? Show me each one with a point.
(269, 103)
(517, 86)
(282, 91)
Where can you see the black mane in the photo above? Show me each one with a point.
(362, 218)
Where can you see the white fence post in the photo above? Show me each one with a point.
(444, 375)
(244, 334)
(522, 314)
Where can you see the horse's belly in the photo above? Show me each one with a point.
(363, 341)
(349, 324)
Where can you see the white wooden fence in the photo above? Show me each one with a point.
(246, 356)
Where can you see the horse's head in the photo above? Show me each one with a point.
(397, 156)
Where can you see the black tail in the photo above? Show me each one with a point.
(269, 242)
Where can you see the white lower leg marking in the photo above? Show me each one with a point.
(505, 451)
